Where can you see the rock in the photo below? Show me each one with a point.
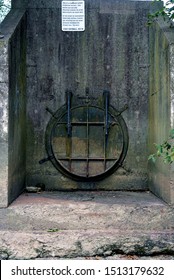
(33, 189)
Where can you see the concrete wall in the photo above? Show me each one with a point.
(3, 122)
(111, 53)
(161, 106)
(12, 106)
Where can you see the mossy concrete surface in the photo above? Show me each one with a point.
(86, 224)
(161, 106)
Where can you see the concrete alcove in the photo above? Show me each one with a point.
(115, 52)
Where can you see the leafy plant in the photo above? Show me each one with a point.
(164, 150)
(167, 12)
(53, 230)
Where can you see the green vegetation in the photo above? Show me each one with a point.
(164, 150)
(167, 12)
(53, 230)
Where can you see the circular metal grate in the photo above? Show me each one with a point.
(87, 142)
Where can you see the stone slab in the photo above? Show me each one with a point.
(86, 224)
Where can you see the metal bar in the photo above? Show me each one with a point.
(104, 141)
(89, 159)
(51, 112)
(87, 170)
(45, 159)
(123, 109)
(106, 94)
(89, 123)
(69, 127)
(68, 98)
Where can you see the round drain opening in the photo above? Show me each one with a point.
(86, 144)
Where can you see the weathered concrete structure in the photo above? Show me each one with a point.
(161, 106)
(13, 107)
(90, 224)
(109, 54)
(40, 61)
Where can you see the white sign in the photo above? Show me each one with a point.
(73, 15)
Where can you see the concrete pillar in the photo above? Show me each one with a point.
(12, 106)
(161, 106)
(3, 122)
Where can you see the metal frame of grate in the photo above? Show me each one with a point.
(66, 112)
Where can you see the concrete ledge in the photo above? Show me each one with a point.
(57, 3)
(72, 244)
(86, 224)
(10, 23)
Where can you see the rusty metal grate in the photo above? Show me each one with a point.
(86, 142)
